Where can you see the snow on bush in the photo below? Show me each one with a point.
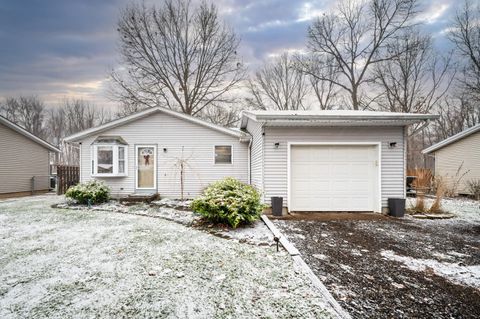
(229, 201)
(93, 192)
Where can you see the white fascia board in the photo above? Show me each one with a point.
(452, 139)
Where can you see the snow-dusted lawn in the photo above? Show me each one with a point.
(60, 263)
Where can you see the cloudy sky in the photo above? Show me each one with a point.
(65, 48)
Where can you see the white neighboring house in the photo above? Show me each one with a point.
(315, 160)
(457, 158)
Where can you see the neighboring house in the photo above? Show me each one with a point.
(457, 159)
(24, 161)
(316, 161)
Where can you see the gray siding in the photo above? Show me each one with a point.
(464, 153)
(256, 154)
(20, 160)
(276, 166)
(172, 133)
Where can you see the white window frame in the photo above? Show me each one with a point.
(214, 157)
(115, 147)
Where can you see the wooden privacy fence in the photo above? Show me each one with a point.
(67, 176)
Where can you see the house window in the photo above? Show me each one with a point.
(121, 160)
(105, 159)
(109, 157)
(223, 154)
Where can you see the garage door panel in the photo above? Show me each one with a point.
(333, 178)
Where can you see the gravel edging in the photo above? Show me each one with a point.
(298, 260)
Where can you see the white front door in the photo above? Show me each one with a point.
(146, 167)
(334, 178)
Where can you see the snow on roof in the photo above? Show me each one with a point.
(452, 139)
(28, 135)
(341, 117)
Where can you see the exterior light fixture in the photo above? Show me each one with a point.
(277, 144)
(392, 144)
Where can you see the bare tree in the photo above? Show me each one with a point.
(74, 115)
(278, 85)
(27, 112)
(319, 69)
(465, 34)
(225, 116)
(415, 79)
(356, 37)
(456, 115)
(178, 55)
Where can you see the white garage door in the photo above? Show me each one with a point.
(333, 178)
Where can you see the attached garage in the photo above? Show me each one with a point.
(334, 177)
(333, 160)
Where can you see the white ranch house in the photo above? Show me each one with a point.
(315, 160)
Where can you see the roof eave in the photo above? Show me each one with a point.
(29, 135)
(419, 117)
(452, 139)
(125, 120)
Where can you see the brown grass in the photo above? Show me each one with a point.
(422, 184)
(440, 190)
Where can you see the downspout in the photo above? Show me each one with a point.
(249, 161)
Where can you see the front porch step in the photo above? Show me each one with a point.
(140, 198)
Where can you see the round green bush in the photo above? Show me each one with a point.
(229, 201)
(94, 191)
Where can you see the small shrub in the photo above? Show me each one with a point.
(474, 188)
(95, 191)
(229, 201)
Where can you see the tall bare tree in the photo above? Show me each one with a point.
(356, 37)
(416, 78)
(278, 85)
(318, 69)
(465, 34)
(456, 114)
(27, 112)
(178, 55)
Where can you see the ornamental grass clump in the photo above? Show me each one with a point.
(92, 192)
(229, 201)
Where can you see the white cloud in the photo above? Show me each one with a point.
(308, 12)
(434, 13)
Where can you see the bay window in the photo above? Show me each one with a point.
(109, 157)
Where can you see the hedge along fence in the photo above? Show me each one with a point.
(67, 176)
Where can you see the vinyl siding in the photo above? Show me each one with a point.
(449, 159)
(256, 153)
(172, 133)
(276, 165)
(20, 160)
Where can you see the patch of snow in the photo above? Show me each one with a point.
(320, 256)
(59, 263)
(455, 272)
(464, 209)
(356, 252)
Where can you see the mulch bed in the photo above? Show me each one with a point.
(345, 255)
